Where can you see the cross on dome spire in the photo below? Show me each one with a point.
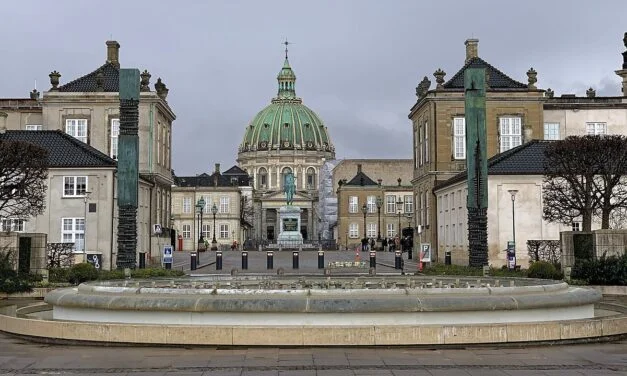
(286, 78)
(286, 43)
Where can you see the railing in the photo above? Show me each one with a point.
(326, 244)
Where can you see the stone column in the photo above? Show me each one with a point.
(264, 226)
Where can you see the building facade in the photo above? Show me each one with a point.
(284, 137)
(514, 115)
(229, 194)
(87, 108)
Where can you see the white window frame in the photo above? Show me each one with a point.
(426, 142)
(459, 138)
(371, 230)
(206, 231)
(371, 202)
(225, 204)
(409, 204)
(353, 204)
(390, 230)
(224, 231)
(187, 205)
(551, 131)
(12, 224)
(353, 230)
(510, 131)
(596, 129)
(187, 231)
(73, 231)
(72, 182)
(34, 127)
(390, 204)
(115, 134)
(77, 128)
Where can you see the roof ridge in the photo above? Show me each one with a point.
(477, 59)
(88, 74)
(499, 71)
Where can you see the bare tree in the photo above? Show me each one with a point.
(23, 174)
(60, 255)
(610, 185)
(568, 188)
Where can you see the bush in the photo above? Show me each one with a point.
(443, 269)
(10, 281)
(543, 270)
(82, 272)
(602, 271)
(59, 275)
(156, 272)
(105, 275)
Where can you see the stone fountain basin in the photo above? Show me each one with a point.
(287, 302)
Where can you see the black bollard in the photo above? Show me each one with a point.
(294, 260)
(168, 265)
(320, 259)
(193, 260)
(219, 260)
(244, 260)
(142, 260)
(398, 256)
(447, 258)
(373, 259)
(270, 260)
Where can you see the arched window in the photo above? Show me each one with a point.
(284, 172)
(262, 178)
(311, 178)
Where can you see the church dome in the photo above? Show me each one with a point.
(286, 124)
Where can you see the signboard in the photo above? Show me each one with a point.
(511, 254)
(425, 252)
(95, 259)
(156, 229)
(167, 254)
(290, 224)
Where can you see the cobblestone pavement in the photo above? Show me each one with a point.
(20, 357)
(307, 262)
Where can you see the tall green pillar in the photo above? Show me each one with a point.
(128, 168)
(476, 165)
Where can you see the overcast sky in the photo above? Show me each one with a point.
(357, 62)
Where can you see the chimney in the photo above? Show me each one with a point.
(113, 53)
(217, 170)
(472, 49)
(358, 168)
(3, 122)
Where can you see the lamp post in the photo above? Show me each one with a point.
(364, 209)
(399, 206)
(214, 243)
(513, 192)
(200, 206)
(85, 200)
(379, 204)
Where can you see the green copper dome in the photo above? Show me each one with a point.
(286, 123)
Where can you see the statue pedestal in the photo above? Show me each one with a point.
(289, 219)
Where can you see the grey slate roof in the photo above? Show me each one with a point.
(63, 149)
(87, 83)
(498, 79)
(206, 180)
(526, 159)
(361, 179)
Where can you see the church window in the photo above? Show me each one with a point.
(263, 178)
(311, 178)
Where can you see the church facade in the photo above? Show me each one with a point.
(285, 137)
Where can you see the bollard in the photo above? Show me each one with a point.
(270, 260)
(373, 259)
(193, 259)
(294, 260)
(168, 265)
(219, 260)
(320, 259)
(244, 260)
(142, 260)
(398, 256)
(447, 258)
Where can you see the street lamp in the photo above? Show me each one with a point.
(409, 245)
(399, 207)
(513, 192)
(364, 209)
(85, 200)
(200, 206)
(379, 204)
(214, 243)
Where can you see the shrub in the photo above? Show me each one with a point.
(59, 275)
(105, 275)
(10, 281)
(82, 272)
(543, 270)
(602, 271)
(443, 269)
(156, 272)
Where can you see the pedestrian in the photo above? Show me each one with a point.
(364, 244)
(384, 243)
